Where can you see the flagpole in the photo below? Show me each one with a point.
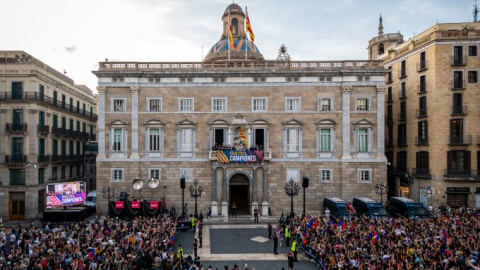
(246, 38)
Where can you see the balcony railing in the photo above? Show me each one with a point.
(459, 110)
(402, 141)
(35, 96)
(422, 88)
(422, 65)
(421, 141)
(458, 84)
(59, 158)
(422, 112)
(459, 61)
(44, 158)
(15, 159)
(421, 173)
(16, 127)
(400, 171)
(43, 129)
(212, 155)
(449, 173)
(460, 140)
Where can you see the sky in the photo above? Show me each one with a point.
(74, 35)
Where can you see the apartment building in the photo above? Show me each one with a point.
(432, 117)
(45, 122)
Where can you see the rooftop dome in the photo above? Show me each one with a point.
(242, 49)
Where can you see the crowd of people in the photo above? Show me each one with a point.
(141, 243)
(449, 239)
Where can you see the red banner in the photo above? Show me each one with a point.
(135, 205)
(119, 204)
(154, 205)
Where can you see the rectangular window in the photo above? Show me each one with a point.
(154, 140)
(422, 133)
(402, 160)
(41, 118)
(423, 61)
(423, 160)
(390, 94)
(17, 148)
(292, 104)
(364, 175)
(403, 110)
(423, 84)
(389, 113)
(117, 175)
(188, 173)
(54, 147)
(219, 135)
(41, 175)
(63, 173)
(362, 140)
(423, 106)
(472, 76)
(154, 173)
(17, 90)
(219, 104)
(71, 124)
(17, 118)
(259, 104)
(154, 105)
(362, 104)
(186, 140)
(41, 92)
(456, 131)
(458, 56)
(292, 139)
(402, 134)
(118, 105)
(325, 140)
(117, 140)
(63, 101)
(403, 90)
(41, 147)
(54, 173)
(325, 104)
(457, 79)
(185, 105)
(403, 69)
(293, 174)
(17, 177)
(457, 103)
(472, 50)
(55, 121)
(326, 175)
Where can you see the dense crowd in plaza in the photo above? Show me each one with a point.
(448, 240)
(142, 243)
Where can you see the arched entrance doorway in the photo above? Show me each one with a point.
(240, 193)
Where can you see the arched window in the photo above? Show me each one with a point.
(381, 48)
(235, 26)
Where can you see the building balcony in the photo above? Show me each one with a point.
(459, 110)
(43, 130)
(59, 158)
(400, 171)
(421, 141)
(421, 173)
(460, 140)
(422, 88)
(459, 61)
(422, 65)
(458, 84)
(16, 127)
(15, 159)
(212, 155)
(421, 113)
(37, 97)
(44, 159)
(461, 174)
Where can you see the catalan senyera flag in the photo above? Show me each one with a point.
(231, 36)
(243, 137)
(249, 29)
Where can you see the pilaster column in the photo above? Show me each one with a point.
(32, 133)
(101, 121)
(254, 185)
(214, 192)
(134, 125)
(3, 124)
(346, 121)
(381, 121)
(265, 192)
(224, 194)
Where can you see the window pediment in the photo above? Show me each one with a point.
(186, 122)
(292, 122)
(118, 122)
(154, 122)
(218, 122)
(260, 122)
(325, 122)
(364, 122)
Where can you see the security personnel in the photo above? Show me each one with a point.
(194, 222)
(180, 253)
(287, 235)
(294, 249)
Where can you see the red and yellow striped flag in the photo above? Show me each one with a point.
(243, 137)
(249, 29)
(231, 36)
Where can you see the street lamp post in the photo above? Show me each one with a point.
(182, 186)
(304, 185)
(196, 192)
(291, 189)
(109, 194)
(381, 189)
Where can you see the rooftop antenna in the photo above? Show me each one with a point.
(475, 12)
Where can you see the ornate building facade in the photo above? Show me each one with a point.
(432, 117)
(242, 126)
(45, 122)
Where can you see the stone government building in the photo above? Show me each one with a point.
(162, 120)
